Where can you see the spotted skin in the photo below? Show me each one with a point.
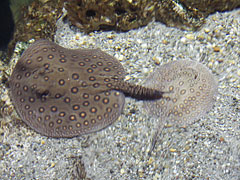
(63, 93)
(191, 90)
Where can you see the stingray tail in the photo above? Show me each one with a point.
(137, 91)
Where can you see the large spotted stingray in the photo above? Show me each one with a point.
(63, 92)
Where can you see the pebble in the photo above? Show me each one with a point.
(222, 139)
(207, 30)
(183, 40)
(111, 36)
(173, 150)
(231, 62)
(200, 37)
(190, 36)
(165, 42)
(220, 60)
(210, 65)
(156, 60)
(150, 161)
(216, 48)
(53, 164)
(128, 77)
(122, 171)
(77, 37)
(141, 173)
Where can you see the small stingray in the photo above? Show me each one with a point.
(63, 92)
(191, 91)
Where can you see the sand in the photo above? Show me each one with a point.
(206, 149)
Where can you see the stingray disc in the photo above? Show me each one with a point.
(61, 92)
(191, 91)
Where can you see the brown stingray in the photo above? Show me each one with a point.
(63, 92)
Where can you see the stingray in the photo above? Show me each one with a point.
(191, 92)
(63, 92)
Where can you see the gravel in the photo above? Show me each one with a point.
(206, 149)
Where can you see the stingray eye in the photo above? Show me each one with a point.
(42, 94)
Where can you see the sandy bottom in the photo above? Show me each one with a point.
(206, 149)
